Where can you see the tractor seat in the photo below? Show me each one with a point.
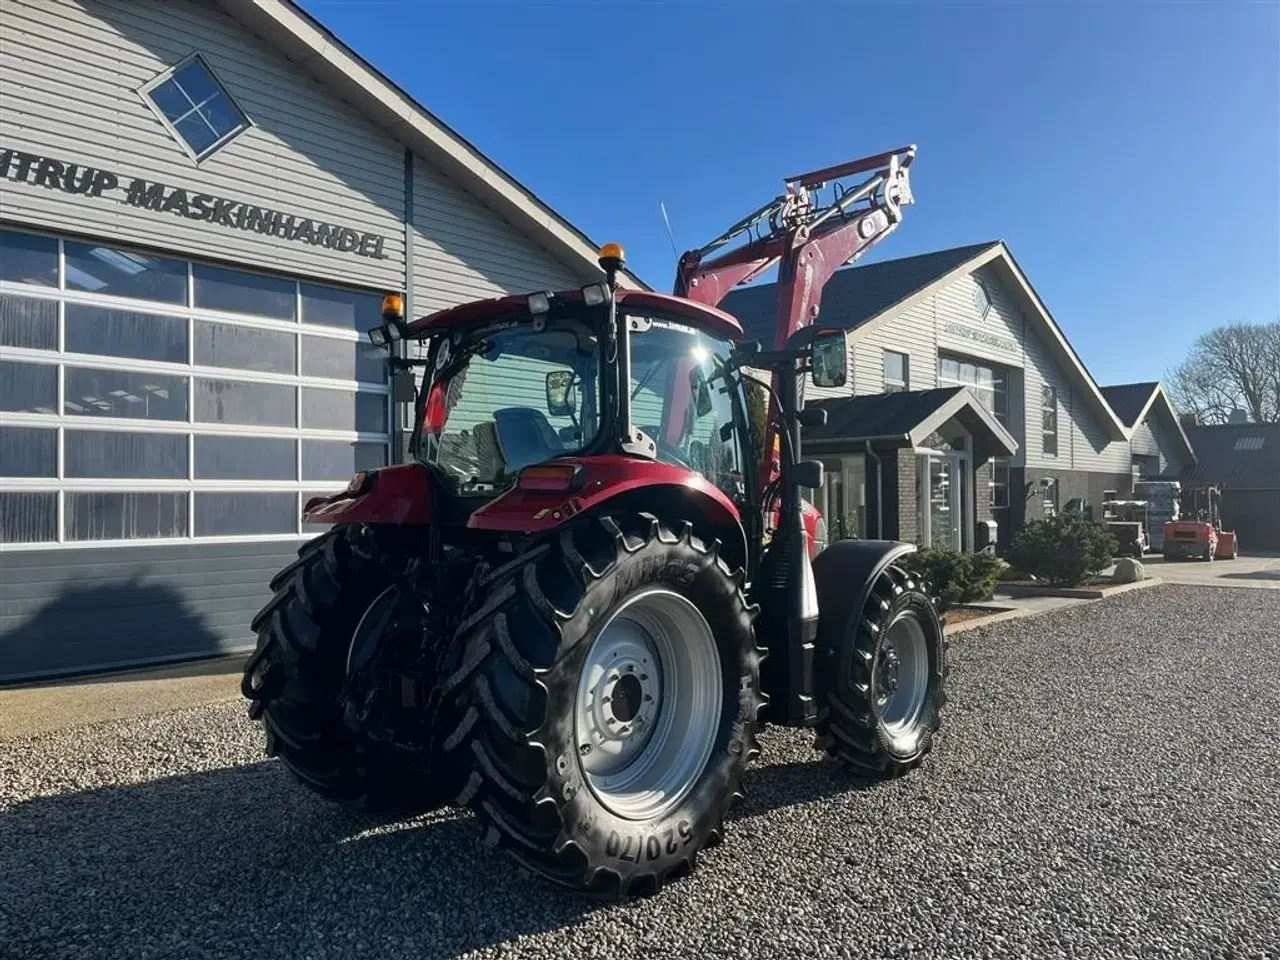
(490, 464)
(525, 436)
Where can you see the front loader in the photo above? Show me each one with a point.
(574, 607)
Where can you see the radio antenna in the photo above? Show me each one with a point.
(670, 236)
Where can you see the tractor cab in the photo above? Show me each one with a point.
(525, 399)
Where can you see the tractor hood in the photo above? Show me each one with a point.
(548, 494)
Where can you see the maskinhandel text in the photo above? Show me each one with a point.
(91, 181)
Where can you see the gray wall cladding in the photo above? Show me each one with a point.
(71, 77)
(69, 610)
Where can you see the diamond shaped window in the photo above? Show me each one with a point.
(196, 107)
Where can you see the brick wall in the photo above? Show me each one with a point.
(907, 489)
(982, 492)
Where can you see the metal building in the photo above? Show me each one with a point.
(201, 204)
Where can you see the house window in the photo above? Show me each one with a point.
(195, 107)
(981, 298)
(990, 384)
(999, 482)
(896, 372)
(1049, 420)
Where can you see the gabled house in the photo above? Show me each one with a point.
(965, 403)
(1159, 447)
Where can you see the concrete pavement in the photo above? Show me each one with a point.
(1248, 570)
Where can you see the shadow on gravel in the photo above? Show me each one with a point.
(243, 862)
(772, 787)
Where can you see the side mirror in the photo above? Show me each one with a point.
(812, 417)
(701, 391)
(560, 390)
(829, 358)
(745, 350)
(809, 473)
(404, 387)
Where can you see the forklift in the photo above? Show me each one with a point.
(1198, 532)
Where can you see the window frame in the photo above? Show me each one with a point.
(197, 156)
(1049, 404)
(982, 298)
(899, 387)
(1000, 380)
(62, 421)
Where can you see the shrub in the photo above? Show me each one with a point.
(956, 578)
(1065, 550)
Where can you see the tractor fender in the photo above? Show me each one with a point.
(394, 495)
(843, 575)
(621, 483)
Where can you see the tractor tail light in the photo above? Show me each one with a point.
(551, 478)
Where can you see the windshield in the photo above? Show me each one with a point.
(686, 400)
(503, 399)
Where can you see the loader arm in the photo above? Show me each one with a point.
(809, 236)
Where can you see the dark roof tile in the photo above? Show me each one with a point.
(1241, 456)
(877, 415)
(1128, 399)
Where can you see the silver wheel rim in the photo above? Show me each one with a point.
(901, 676)
(648, 705)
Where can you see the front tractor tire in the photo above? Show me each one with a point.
(883, 665)
(608, 692)
(294, 680)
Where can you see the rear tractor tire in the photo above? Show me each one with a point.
(885, 670)
(608, 693)
(295, 679)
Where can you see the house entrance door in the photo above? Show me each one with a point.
(944, 481)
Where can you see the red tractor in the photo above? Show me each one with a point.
(574, 607)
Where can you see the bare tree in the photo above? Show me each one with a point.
(1236, 367)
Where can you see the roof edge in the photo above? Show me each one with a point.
(318, 49)
(964, 397)
(1152, 386)
(999, 250)
(1160, 392)
(988, 252)
(1118, 430)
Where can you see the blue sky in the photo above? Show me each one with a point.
(1128, 152)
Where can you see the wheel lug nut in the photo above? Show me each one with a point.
(644, 676)
(647, 697)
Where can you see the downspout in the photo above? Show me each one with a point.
(879, 491)
(402, 415)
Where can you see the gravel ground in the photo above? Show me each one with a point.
(1107, 785)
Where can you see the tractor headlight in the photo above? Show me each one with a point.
(378, 336)
(539, 303)
(594, 294)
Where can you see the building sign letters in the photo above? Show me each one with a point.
(981, 336)
(89, 181)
